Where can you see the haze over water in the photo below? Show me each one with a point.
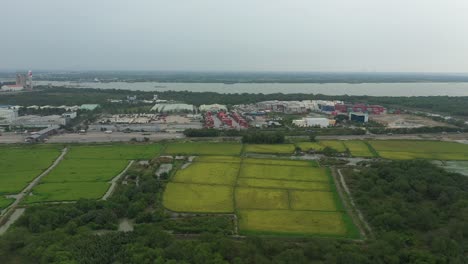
(371, 89)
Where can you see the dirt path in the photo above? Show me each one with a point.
(20, 196)
(13, 217)
(114, 181)
(343, 184)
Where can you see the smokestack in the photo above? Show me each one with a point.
(30, 82)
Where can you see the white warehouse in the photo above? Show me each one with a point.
(8, 115)
(312, 122)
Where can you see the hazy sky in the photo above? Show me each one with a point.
(235, 35)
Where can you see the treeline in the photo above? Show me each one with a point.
(263, 138)
(416, 130)
(418, 211)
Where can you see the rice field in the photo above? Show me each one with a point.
(85, 171)
(269, 149)
(359, 148)
(279, 172)
(181, 197)
(19, 165)
(260, 198)
(291, 222)
(208, 173)
(283, 184)
(419, 149)
(270, 196)
(222, 159)
(307, 200)
(203, 148)
(283, 162)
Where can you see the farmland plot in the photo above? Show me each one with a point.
(19, 165)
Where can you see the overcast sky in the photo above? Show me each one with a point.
(235, 35)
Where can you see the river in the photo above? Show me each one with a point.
(371, 89)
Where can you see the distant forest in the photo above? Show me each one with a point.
(247, 77)
(76, 96)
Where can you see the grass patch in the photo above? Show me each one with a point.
(203, 148)
(69, 191)
(270, 148)
(209, 173)
(5, 202)
(291, 173)
(181, 197)
(256, 198)
(292, 222)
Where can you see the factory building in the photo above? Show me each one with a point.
(359, 117)
(8, 115)
(312, 122)
(212, 108)
(89, 107)
(23, 81)
(40, 121)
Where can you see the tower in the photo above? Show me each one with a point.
(30, 82)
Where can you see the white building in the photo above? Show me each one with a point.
(12, 88)
(70, 115)
(212, 107)
(312, 122)
(8, 115)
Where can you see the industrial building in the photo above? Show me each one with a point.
(42, 134)
(23, 82)
(40, 121)
(8, 115)
(312, 122)
(371, 109)
(212, 108)
(89, 107)
(174, 108)
(359, 117)
(295, 107)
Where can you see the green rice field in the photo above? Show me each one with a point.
(419, 149)
(292, 222)
(208, 173)
(278, 172)
(359, 148)
(203, 148)
(86, 170)
(19, 165)
(270, 196)
(261, 198)
(270, 149)
(181, 197)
